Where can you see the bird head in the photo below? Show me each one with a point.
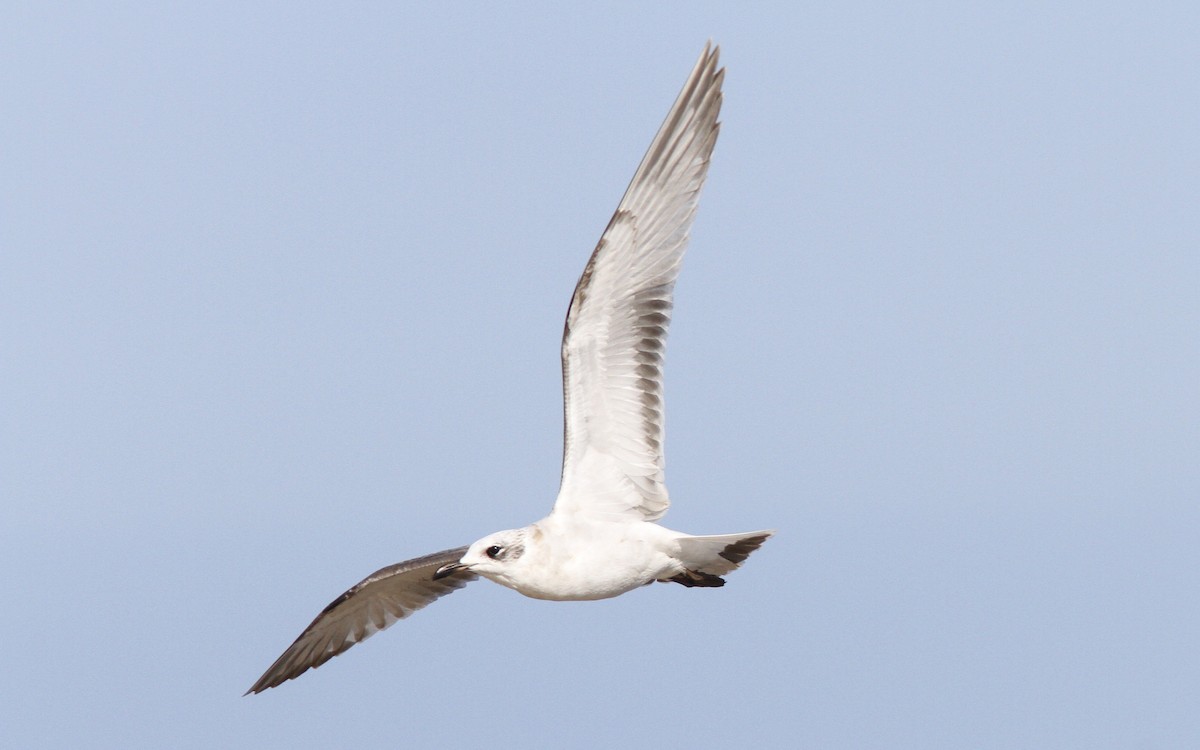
(489, 557)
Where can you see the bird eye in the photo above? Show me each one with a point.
(494, 551)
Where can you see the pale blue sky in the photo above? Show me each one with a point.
(282, 293)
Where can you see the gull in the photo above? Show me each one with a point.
(600, 539)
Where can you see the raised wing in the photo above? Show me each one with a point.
(371, 605)
(616, 327)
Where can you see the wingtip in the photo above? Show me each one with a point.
(712, 54)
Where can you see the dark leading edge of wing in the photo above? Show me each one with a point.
(371, 605)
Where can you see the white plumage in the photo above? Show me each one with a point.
(600, 540)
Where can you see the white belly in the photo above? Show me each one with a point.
(593, 563)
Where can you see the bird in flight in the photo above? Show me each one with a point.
(600, 540)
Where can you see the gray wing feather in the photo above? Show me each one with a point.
(372, 604)
(616, 327)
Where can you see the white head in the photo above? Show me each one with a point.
(492, 556)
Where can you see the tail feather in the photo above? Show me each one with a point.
(720, 554)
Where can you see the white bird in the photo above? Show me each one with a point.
(600, 540)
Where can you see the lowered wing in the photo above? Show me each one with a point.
(371, 605)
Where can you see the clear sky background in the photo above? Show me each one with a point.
(282, 289)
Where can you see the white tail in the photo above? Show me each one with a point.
(718, 555)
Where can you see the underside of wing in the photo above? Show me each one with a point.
(380, 599)
(616, 327)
